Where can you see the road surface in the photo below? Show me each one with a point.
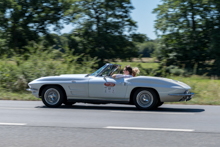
(30, 123)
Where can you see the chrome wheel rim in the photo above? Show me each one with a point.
(52, 96)
(144, 99)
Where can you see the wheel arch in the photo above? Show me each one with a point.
(43, 86)
(136, 88)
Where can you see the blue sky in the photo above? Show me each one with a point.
(142, 14)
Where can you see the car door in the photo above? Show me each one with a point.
(107, 88)
(77, 88)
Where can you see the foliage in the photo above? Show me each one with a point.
(18, 71)
(22, 21)
(189, 31)
(105, 29)
(147, 48)
(3, 47)
(204, 93)
(215, 39)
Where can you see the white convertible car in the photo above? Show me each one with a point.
(144, 92)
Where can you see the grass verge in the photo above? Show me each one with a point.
(207, 91)
(24, 96)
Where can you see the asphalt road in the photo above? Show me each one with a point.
(25, 124)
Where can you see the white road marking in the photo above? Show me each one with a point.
(150, 129)
(13, 124)
(18, 108)
(151, 112)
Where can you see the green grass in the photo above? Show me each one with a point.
(25, 96)
(207, 90)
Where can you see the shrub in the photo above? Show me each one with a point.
(16, 72)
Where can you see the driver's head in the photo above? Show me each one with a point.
(127, 70)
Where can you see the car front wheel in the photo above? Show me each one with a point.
(53, 96)
(145, 99)
(159, 104)
(69, 103)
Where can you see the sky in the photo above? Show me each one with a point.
(142, 14)
(144, 17)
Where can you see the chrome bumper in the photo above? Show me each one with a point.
(35, 92)
(184, 96)
(32, 90)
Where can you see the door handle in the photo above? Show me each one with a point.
(123, 83)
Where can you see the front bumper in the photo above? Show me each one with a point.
(183, 96)
(34, 92)
(32, 89)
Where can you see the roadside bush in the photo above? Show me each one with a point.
(174, 70)
(16, 72)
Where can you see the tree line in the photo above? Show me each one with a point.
(102, 28)
(188, 30)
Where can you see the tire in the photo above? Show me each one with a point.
(145, 99)
(69, 103)
(53, 96)
(159, 104)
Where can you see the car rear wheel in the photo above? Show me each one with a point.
(53, 96)
(145, 99)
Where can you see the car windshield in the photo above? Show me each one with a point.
(115, 69)
(98, 71)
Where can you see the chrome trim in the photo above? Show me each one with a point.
(184, 96)
(52, 96)
(144, 99)
(181, 94)
(97, 98)
(110, 69)
(32, 89)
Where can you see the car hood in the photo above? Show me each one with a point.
(66, 77)
(73, 75)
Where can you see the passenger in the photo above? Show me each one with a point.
(135, 71)
(127, 73)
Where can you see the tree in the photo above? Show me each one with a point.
(215, 37)
(186, 29)
(24, 20)
(147, 48)
(105, 29)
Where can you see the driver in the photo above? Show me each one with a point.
(127, 73)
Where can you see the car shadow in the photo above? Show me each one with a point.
(185, 110)
(127, 108)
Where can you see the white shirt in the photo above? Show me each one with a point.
(123, 76)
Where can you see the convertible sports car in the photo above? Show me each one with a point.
(144, 92)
